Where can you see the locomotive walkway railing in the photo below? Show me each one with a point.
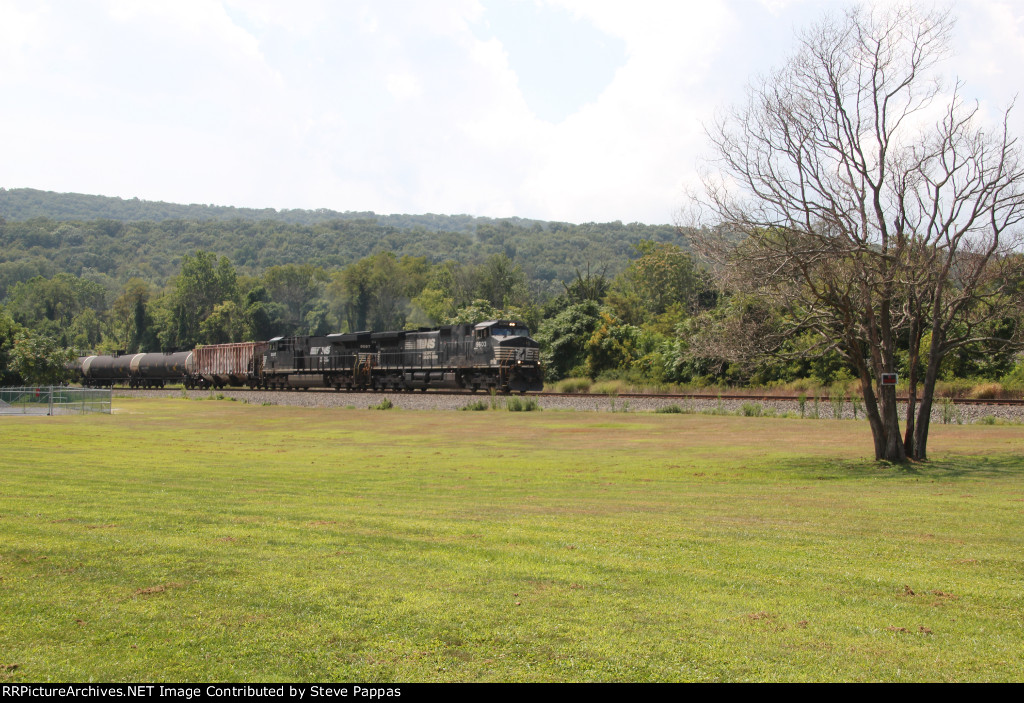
(54, 400)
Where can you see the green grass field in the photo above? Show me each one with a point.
(211, 540)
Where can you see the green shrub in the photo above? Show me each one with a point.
(950, 413)
(673, 409)
(477, 405)
(837, 398)
(385, 404)
(986, 391)
(751, 410)
(573, 385)
(524, 405)
(609, 388)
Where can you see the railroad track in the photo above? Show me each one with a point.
(773, 398)
(598, 396)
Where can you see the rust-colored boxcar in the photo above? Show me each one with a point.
(222, 365)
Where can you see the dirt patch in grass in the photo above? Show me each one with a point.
(153, 590)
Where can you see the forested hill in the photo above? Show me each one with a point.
(19, 204)
(48, 233)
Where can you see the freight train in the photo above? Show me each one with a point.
(496, 355)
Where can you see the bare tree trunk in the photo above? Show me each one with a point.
(913, 354)
(874, 419)
(894, 448)
(924, 415)
(883, 420)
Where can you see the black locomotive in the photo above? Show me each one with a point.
(496, 355)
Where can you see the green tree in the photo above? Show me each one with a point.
(49, 305)
(376, 292)
(297, 287)
(204, 283)
(481, 310)
(40, 360)
(10, 331)
(503, 283)
(592, 287)
(664, 278)
(264, 318)
(449, 286)
(226, 323)
(132, 321)
(614, 345)
(563, 339)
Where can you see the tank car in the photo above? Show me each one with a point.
(152, 370)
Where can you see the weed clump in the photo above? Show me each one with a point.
(993, 420)
(950, 413)
(524, 405)
(986, 391)
(476, 405)
(573, 385)
(385, 404)
(837, 398)
(752, 410)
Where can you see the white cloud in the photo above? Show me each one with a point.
(396, 107)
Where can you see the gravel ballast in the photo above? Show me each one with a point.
(956, 414)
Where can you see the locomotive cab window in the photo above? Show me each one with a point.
(510, 332)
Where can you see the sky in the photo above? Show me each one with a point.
(566, 110)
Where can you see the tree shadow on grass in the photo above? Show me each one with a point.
(944, 467)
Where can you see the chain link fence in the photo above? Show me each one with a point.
(54, 400)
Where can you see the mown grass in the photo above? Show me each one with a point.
(218, 541)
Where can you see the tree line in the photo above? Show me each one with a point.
(663, 319)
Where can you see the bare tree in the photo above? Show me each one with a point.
(871, 205)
